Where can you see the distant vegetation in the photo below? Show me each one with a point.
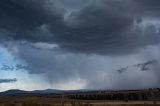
(140, 95)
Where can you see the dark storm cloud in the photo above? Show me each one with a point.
(97, 71)
(16, 67)
(122, 70)
(8, 80)
(57, 66)
(100, 27)
(23, 18)
(148, 7)
(146, 66)
(22, 67)
(42, 30)
(131, 78)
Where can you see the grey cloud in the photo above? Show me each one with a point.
(128, 79)
(147, 65)
(148, 7)
(24, 18)
(55, 64)
(22, 67)
(16, 67)
(7, 68)
(100, 27)
(8, 80)
(122, 70)
(97, 71)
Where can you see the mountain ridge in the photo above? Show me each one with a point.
(18, 92)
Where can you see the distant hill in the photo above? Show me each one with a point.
(17, 92)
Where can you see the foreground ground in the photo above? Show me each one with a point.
(56, 101)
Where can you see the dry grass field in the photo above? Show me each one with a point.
(56, 101)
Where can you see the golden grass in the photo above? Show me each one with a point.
(56, 101)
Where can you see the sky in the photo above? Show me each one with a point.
(79, 44)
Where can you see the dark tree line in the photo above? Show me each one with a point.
(114, 96)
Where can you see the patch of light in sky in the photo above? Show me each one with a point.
(24, 78)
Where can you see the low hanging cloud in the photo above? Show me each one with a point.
(146, 66)
(7, 68)
(8, 80)
(97, 71)
(22, 67)
(122, 70)
(16, 67)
